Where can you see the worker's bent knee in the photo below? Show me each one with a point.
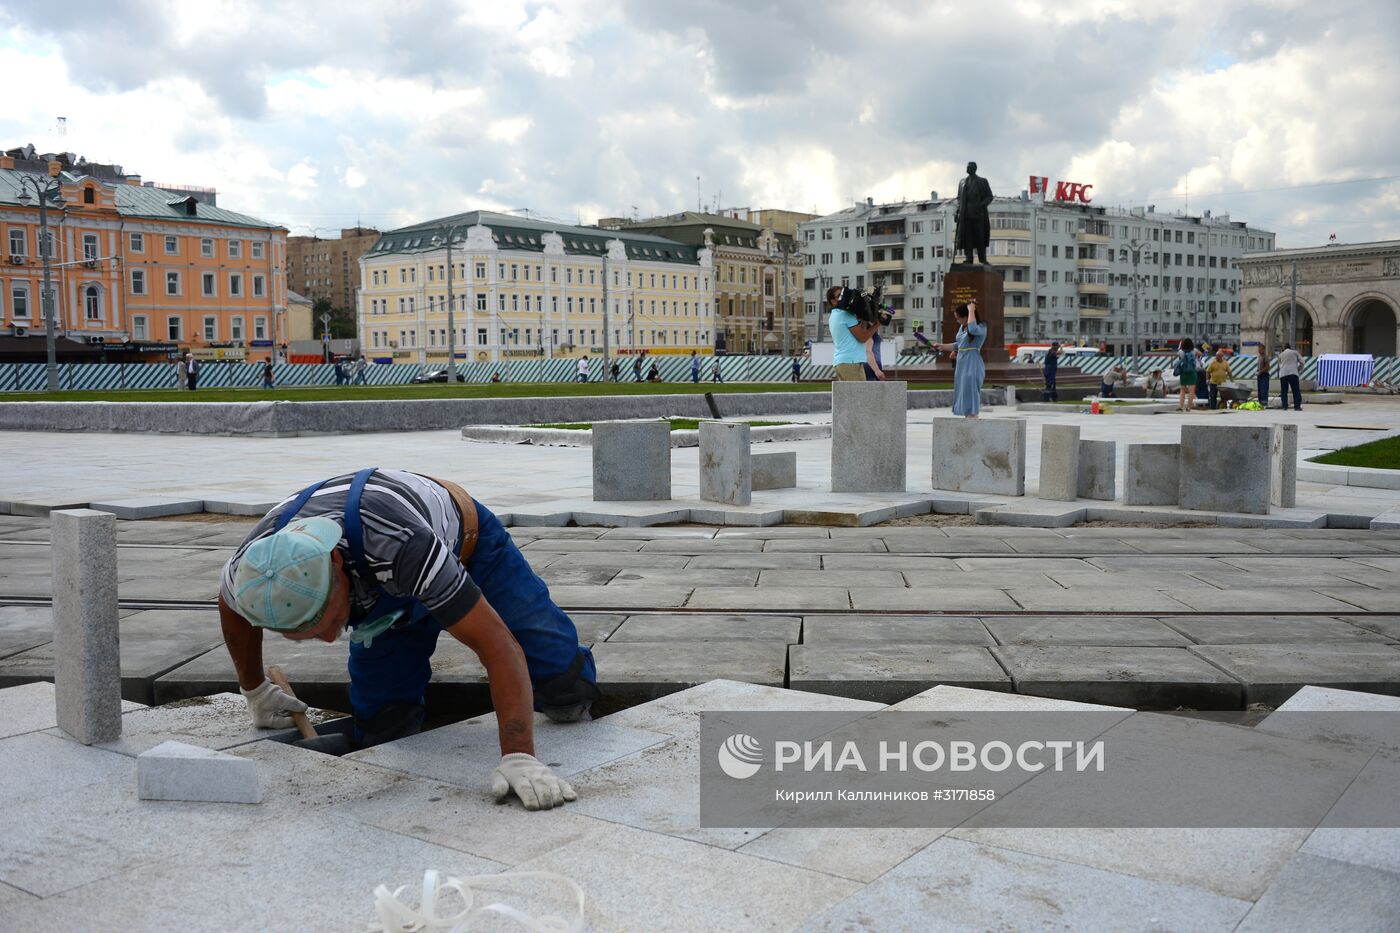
(567, 697)
(393, 721)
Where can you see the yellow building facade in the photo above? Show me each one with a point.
(528, 289)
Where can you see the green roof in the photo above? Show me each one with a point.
(141, 201)
(526, 235)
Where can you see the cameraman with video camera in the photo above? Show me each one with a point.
(854, 319)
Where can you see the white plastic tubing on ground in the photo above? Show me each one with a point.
(395, 916)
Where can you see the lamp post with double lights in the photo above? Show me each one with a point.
(47, 192)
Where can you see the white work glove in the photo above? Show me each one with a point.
(270, 707)
(537, 787)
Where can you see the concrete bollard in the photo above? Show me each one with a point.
(1098, 468)
(631, 461)
(980, 455)
(1152, 475)
(726, 467)
(1283, 465)
(86, 640)
(775, 470)
(1059, 462)
(869, 436)
(1225, 468)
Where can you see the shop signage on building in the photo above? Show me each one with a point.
(1070, 191)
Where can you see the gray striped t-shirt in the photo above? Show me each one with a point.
(411, 538)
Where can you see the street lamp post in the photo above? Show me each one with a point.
(47, 192)
(1136, 248)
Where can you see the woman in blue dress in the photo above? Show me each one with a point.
(969, 370)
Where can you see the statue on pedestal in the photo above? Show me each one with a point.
(972, 224)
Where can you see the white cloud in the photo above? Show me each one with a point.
(390, 114)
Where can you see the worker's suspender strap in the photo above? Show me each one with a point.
(296, 505)
(354, 528)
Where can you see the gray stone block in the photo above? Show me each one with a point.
(87, 655)
(890, 673)
(1273, 673)
(1098, 470)
(1153, 474)
(1059, 462)
(726, 468)
(235, 503)
(869, 436)
(876, 630)
(718, 627)
(1283, 465)
(1225, 468)
(775, 470)
(176, 771)
(980, 455)
(631, 461)
(1148, 678)
(143, 507)
(652, 669)
(1314, 893)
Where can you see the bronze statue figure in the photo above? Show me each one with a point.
(973, 225)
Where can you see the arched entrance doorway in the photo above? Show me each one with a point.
(1372, 328)
(1279, 334)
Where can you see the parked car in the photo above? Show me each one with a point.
(435, 375)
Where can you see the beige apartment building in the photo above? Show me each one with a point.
(758, 273)
(326, 268)
(531, 289)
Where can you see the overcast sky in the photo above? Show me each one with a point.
(1284, 113)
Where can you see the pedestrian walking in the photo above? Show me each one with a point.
(1051, 368)
(1261, 378)
(583, 370)
(182, 374)
(694, 367)
(1202, 380)
(1289, 364)
(360, 366)
(796, 369)
(715, 374)
(616, 371)
(968, 369)
(637, 368)
(267, 374)
(191, 371)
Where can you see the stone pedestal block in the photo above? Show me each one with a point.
(1059, 462)
(177, 771)
(86, 642)
(1153, 474)
(726, 467)
(1098, 468)
(980, 455)
(1283, 465)
(868, 436)
(1225, 468)
(631, 461)
(775, 470)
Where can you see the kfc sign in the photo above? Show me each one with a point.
(1064, 190)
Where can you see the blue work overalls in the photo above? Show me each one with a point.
(395, 667)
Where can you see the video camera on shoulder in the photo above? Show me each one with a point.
(865, 305)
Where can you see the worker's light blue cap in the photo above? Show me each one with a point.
(283, 580)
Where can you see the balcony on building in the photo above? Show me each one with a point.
(885, 265)
(1094, 231)
(878, 232)
(1014, 226)
(1093, 305)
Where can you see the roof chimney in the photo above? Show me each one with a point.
(869, 202)
(933, 195)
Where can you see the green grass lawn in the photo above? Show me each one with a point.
(677, 424)
(429, 391)
(1383, 454)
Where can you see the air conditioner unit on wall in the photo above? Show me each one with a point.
(21, 331)
(16, 259)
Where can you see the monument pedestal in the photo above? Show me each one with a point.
(963, 283)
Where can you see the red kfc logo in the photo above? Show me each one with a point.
(1065, 191)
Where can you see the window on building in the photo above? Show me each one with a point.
(207, 285)
(138, 281)
(174, 328)
(235, 328)
(257, 250)
(206, 247)
(235, 249)
(259, 328)
(235, 285)
(137, 242)
(259, 286)
(211, 329)
(172, 283)
(172, 245)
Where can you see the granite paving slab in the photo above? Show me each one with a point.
(889, 673)
(465, 753)
(694, 546)
(967, 886)
(902, 562)
(1273, 673)
(152, 643)
(1123, 631)
(764, 561)
(683, 576)
(1149, 678)
(1313, 893)
(576, 576)
(1029, 576)
(142, 507)
(679, 713)
(30, 708)
(1364, 598)
(933, 599)
(949, 699)
(34, 765)
(724, 626)
(1106, 598)
(767, 598)
(595, 626)
(1256, 599)
(1388, 627)
(615, 560)
(818, 546)
(1266, 630)
(24, 627)
(219, 722)
(317, 672)
(830, 577)
(875, 630)
(652, 669)
(638, 596)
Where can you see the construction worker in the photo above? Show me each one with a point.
(398, 558)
